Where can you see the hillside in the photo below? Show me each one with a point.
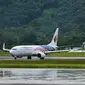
(34, 21)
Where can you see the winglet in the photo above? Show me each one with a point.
(4, 48)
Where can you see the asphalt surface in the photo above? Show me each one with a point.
(42, 84)
(21, 82)
(47, 58)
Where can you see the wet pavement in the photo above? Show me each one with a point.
(42, 76)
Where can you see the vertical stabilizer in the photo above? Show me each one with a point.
(54, 39)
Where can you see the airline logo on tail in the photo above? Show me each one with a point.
(55, 39)
(53, 43)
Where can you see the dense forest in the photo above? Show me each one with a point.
(34, 21)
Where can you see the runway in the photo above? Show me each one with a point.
(46, 58)
(40, 83)
(18, 76)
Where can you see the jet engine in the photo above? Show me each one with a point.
(41, 55)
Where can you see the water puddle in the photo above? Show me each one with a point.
(72, 75)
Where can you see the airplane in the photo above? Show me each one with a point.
(34, 50)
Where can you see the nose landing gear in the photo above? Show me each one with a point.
(15, 58)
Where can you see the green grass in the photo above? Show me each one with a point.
(3, 53)
(42, 64)
(68, 54)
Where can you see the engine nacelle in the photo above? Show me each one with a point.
(41, 55)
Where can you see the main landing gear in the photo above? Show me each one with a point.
(42, 58)
(29, 57)
(15, 58)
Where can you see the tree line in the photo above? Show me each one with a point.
(34, 21)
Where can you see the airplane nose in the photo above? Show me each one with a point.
(11, 52)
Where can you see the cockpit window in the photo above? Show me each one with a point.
(14, 49)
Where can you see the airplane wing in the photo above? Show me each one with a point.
(48, 52)
(5, 48)
(42, 54)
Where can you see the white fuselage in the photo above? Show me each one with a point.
(23, 50)
(26, 50)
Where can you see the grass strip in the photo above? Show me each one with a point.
(68, 54)
(4, 53)
(42, 61)
(42, 64)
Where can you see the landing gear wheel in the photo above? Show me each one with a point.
(42, 58)
(15, 58)
(29, 57)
